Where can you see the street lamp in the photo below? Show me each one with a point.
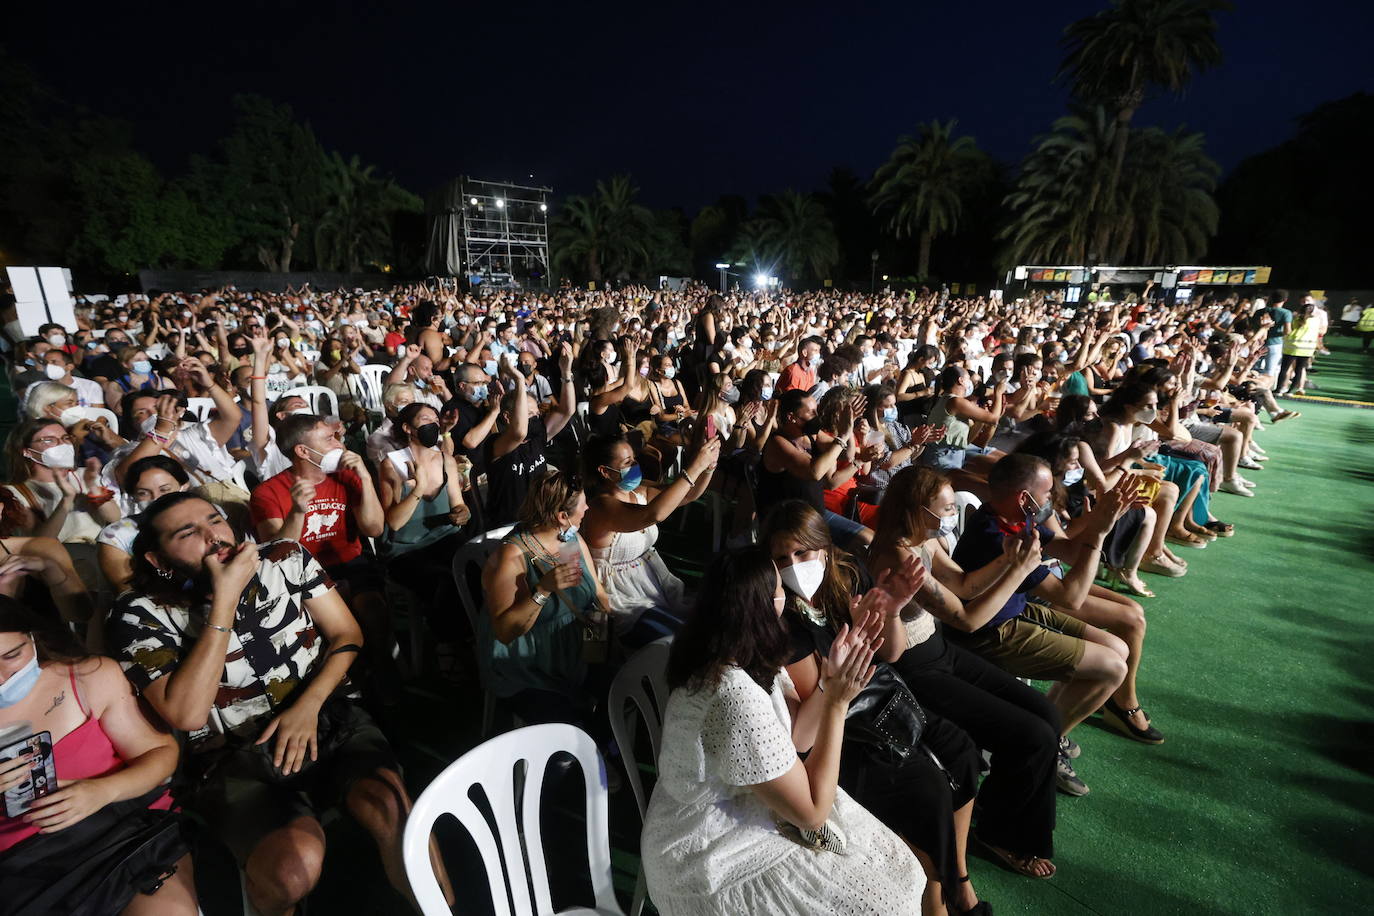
(473, 201)
(873, 275)
(722, 267)
(500, 204)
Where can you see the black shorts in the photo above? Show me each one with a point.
(241, 808)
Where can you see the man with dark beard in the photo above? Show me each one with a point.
(247, 648)
(515, 455)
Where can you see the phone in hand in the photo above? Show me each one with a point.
(710, 426)
(1028, 532)
(42, 772)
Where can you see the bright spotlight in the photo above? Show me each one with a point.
(543, 208)
(500, 204)
(722, 266)
(473, 201)
(763, 281)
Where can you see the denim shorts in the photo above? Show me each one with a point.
(842, 529)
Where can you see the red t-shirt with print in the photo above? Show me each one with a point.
(330, 531)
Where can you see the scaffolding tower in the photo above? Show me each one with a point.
(505, 232)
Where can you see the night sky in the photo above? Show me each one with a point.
(695, 100)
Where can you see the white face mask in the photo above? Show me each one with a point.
(804, 578)
(61, 457)
(329, 463)
(1146, 415)
(1072, 476)
(71, 416)
(948, 525)
(55, 372)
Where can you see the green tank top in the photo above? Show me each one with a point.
(428, 523)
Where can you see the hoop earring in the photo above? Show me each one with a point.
(164, 573)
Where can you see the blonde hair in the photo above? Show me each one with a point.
(43, 395)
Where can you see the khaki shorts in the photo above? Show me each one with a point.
(1040, 643)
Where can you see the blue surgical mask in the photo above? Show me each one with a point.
(490, 367)
(1072, 476)
(630, 477)
(890, 414)
(142, 366)
(568, 534)
(20, 684)
(479, 393)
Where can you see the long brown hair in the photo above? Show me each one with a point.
(15, 446)
(802, 523)
(911, 490)
(53, 641)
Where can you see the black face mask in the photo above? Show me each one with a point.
(812, 426)
(240, 351)
(428, 435)
(526, 370)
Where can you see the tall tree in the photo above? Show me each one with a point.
(268, 181)
(1114, 57)
(923, 182)
(1160, 209)
(606, 233)
(845, 199)
(792, 236)
(355, 226)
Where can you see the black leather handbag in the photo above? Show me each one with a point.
(885, 718)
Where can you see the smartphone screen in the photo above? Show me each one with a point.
(1028, 533)
(42, 772)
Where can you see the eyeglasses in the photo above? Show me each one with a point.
(51, 440)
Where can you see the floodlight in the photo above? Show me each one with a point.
(500, 204)
(760, 280)
(543, 208)
(722, 266)
(473, 201)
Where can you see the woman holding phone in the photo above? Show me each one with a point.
(109, 760)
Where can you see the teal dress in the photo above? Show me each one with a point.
(549, 656)
(428, 524)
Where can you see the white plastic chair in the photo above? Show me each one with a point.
(317, 396)
(472, 555)
(200, 408)
(643, 682)
(103, 413)
(370, 381)
(492, 765)
(966, 503)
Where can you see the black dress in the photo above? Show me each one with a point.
(916, 798)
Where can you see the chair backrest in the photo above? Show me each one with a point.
(200, 408)
(370, 382)
(493, 766)
(103, 413)
(467, 568)
(643, 682)
(318, 397)
(966, 503)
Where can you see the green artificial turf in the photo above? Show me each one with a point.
(1256, 669)
(1347, 374)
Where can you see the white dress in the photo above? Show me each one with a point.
(711, 846)
(636, 578)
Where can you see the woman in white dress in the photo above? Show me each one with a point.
(738, 824)
(621, 528)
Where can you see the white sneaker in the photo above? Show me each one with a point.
(1244, 482)
(1234, 486)
(1249, 464)
(1256, 456)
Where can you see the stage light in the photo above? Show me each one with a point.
(473, 201)
(763, 281)
(500, 204)
(543, 208)
(722, 266)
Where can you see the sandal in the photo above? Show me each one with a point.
(1120, 720)
(1117, 582)
(1162, 568)
(1022, 865)
(1186, 540)
(1221, 529)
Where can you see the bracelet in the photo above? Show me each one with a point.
(257, 378)
(215, 626)
(690, 481)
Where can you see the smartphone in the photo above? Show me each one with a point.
(1028, 532)
(42, 772)
(710, 426)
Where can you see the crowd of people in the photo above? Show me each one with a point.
(925, 503)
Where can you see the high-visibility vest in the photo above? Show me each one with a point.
(1366, 320)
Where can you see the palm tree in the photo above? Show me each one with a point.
(1114, 57)
(606, 232)
(922, 184)
(1062, 194)
(795, 226)
(355, 227)
(1064, 204)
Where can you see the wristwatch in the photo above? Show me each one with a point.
(539, 596)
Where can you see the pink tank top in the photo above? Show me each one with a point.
(83, 753)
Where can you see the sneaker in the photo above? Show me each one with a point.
(1256, 456)
(1069, 747)
(1235, 487)
(1249, 464)
(1066, 780)
(1245, 482)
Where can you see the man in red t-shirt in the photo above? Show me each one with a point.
(326, 500)
(802, 374)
